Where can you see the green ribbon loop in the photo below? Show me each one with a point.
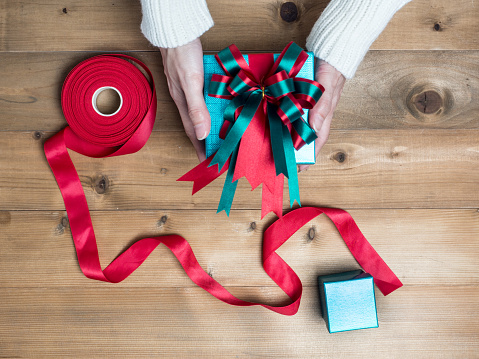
(229, 61)
(308, 89)
(217, 88)
(237, 131)
(289, 58)
(290, 109)
(239, 86)
(237, 102)
(304, 131)
(280, 88)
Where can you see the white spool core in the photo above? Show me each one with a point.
(95, 96)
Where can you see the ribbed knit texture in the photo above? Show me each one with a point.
(341, 36)
(172, 23)
(347, 28)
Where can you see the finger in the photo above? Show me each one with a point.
(198, 145)
(327, 78)
(197, 110)
(323, 135)
(320, 111)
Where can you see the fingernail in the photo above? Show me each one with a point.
(315, 124)
(200, 131)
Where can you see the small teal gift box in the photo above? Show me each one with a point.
(347, 301)
(216, 107)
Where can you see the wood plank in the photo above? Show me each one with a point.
(384, 93)
(379, 169)
(423, 247)
(256, 25)
(402, 157)
(31, 87)
(187, 322)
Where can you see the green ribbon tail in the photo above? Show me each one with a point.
(277, 142)
(293, 185)
(229, 187)
(239, 127)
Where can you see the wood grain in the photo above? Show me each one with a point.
(435, 247)
(256, 25)
(188, 322)
(379, 169)
(402, 157)
(383, 95)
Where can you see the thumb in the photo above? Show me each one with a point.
(197, 110)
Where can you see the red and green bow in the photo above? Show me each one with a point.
(262, 126)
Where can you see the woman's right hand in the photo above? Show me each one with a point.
(183, 68)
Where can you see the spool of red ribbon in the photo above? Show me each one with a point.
(126, 131)
(84, 83)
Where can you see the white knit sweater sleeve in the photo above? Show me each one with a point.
(347, 28)
(172, 23)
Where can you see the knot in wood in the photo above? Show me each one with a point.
(340, 157)
(37, 135)
(428, 102)
(162, 221)
(64, 222)
(101, 184)
(437, 27)
(62, 225)
(311, 234)
(64, 10)
(289, 11)
(252, 226)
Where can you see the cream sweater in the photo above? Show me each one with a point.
(341, 36)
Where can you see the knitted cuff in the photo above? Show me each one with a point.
(346, 29)
(172, 23)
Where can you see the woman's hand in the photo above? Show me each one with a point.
(183, 67)
(321, 114)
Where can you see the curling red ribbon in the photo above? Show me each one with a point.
(139, 97)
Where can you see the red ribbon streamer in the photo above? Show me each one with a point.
(78, 88)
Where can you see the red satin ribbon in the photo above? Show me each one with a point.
(79, 92)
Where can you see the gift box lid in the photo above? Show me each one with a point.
(216, 107)
(348, 301)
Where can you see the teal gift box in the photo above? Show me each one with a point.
(347, 301)
(216, 107)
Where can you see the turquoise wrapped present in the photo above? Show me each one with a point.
(258, 106)
(216, 107)
(347, 301)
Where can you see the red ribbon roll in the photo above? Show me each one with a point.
(103, 72)
(127, 131)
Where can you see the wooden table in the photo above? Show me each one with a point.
(402, 158)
